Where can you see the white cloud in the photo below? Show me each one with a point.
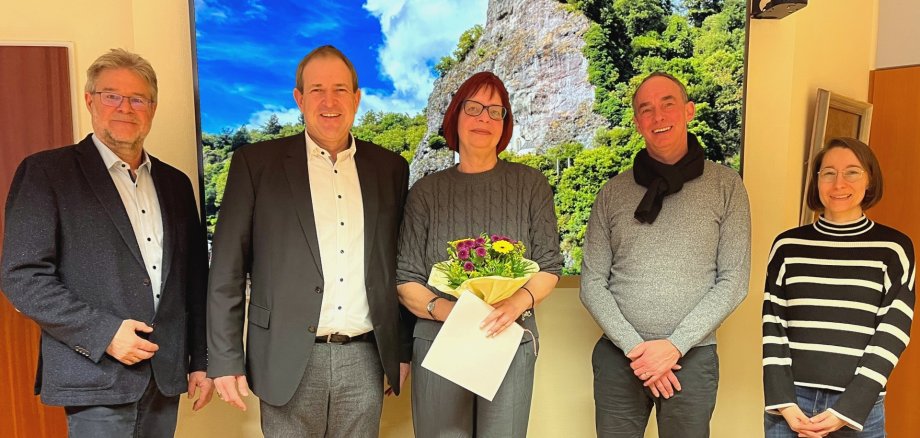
(416, 34)
(285, 116)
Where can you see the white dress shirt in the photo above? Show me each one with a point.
(139, 197)
(339, 214)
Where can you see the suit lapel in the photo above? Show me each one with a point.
(168, 214)
(370, 196)
(102, 186)
(295, 168)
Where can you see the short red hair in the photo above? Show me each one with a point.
(469, 88)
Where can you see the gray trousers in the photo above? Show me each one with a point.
(340, 395)
(623, 405)
(440, 408)
(153, 416)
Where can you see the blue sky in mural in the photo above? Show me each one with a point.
(248, 51)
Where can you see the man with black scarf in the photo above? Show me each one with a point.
(666, 260)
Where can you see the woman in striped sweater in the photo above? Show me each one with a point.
(838, 305)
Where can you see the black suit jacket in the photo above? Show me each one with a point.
(72, 264)
(266, 229)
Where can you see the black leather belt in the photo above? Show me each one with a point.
(336, 338)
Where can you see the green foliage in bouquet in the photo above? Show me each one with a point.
(489, 255)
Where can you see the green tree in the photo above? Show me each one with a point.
(272, 126)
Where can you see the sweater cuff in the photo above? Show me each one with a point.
(850, 423)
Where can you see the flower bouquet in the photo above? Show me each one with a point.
(492, 267)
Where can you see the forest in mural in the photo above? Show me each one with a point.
(616, 43)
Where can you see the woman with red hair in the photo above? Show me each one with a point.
(480, 194)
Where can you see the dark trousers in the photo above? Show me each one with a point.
(153, 416)
(623, 405)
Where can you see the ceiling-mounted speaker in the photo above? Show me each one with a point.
(776, 9)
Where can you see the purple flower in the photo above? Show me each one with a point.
(481, 252)
(468, 266)
(463, 254)
(480, 241)
(495, 237)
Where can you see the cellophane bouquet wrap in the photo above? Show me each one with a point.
(491, 266)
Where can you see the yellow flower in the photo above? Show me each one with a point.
(502, 247)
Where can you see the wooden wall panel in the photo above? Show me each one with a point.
(35, 114)
(895, 139)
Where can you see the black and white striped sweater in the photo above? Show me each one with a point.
(838, 306)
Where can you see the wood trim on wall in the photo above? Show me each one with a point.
(895, 140)
(37, 81)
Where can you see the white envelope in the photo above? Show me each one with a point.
(464, 355)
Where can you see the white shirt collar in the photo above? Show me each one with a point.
(314, 150)
(112, 161)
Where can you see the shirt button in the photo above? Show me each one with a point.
(158, 295)
(340, 307)
(318, 290)
(343, 223)
(341, 280)
(154, 266)
(340, 196)
(143, 211)
(341, 251)
(311, 329)
(148, 239)
(335, 171)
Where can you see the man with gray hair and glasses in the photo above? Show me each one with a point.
(105, 251)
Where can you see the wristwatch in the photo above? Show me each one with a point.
(430, 307)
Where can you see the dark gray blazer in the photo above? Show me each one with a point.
(72, 264)
(266, 229)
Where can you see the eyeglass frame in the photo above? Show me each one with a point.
(856, 172)
(484, 107)
(146, 103)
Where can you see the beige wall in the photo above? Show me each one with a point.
(157, 30)
(829, 44)
(898, 33)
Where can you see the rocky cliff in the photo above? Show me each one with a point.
(535, 47)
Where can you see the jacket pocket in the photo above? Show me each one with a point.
(259, 315)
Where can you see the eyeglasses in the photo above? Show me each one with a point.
(473, 108)
(114, 100)
(851, 174)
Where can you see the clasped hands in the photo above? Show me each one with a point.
(818, 426)
(654, 362)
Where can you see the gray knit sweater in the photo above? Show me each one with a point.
(511, 199)
(677, 278)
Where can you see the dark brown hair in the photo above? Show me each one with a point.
(866, 159)
(326, 51)
(472, 85)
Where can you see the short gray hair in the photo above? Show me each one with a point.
(661, 74)
(121, 58)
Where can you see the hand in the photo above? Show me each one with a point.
(504, 314)
(404, 368)
(442, 309)
(230, 388)
(826, 422)
(665, 385)
(798, 421)
(652, 359)
(129, 348)
(200, 379)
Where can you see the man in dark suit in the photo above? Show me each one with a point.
(312, 219)
(105, 251)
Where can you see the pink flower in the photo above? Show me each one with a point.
(480, 252)
(463, 254)
(480, 241)
(468, 266)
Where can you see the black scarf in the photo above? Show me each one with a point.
(665, 179)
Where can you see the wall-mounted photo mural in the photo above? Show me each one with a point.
(569, 66)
